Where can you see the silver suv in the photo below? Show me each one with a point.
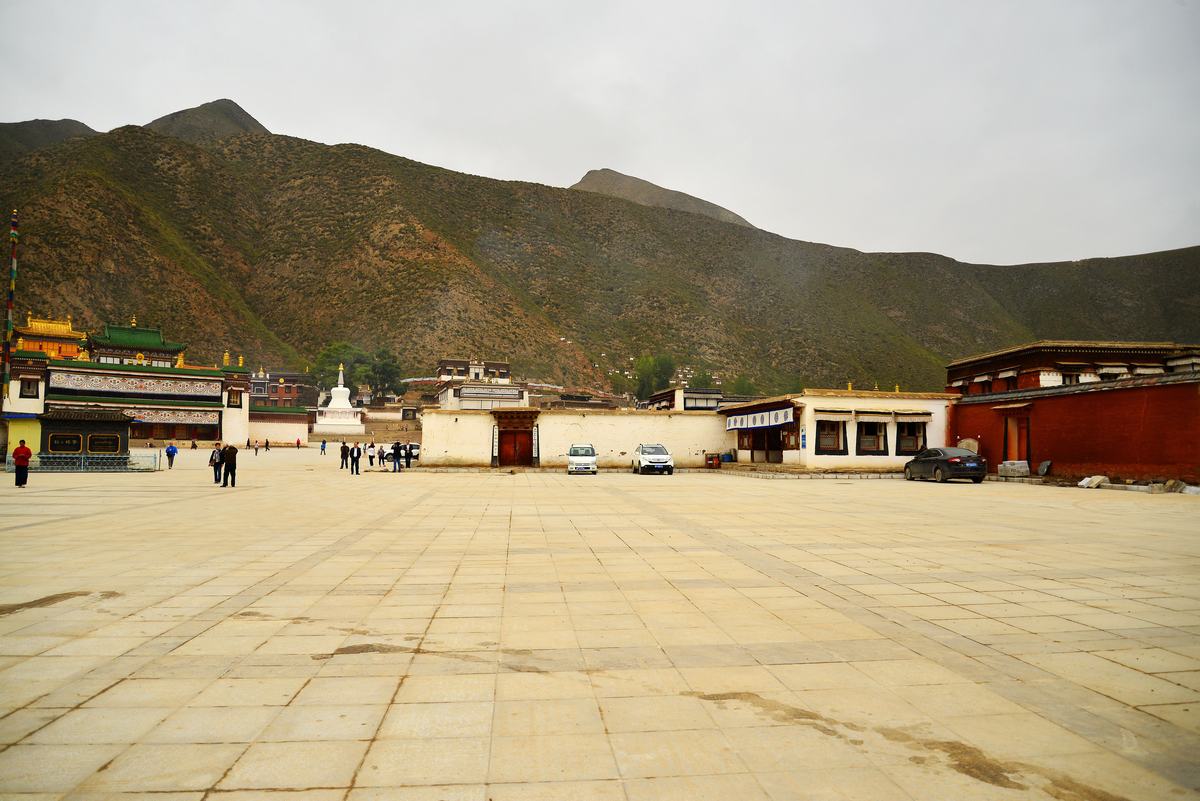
(652, 458)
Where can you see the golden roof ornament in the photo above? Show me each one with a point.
(83, 356)
(225, 359)
(133, 321)
(20, 343)
(179, 359)
(241, 363)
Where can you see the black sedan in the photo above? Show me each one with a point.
(943, 464)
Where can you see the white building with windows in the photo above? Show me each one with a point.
(833, 428)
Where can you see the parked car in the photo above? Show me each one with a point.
(652, 458)
(943, 464)
(415, 449)
(581, 458)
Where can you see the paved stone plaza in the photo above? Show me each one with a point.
(699, 637)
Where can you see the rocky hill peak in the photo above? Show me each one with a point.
(614, 184)
(218, 119)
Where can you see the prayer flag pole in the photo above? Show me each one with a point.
(8, 324)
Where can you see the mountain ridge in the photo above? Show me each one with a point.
(274, 246)
(606, 181)
(19, 138)
(217, 119)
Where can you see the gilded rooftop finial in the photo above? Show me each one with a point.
(225, 359)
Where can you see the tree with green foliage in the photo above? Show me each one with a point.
(742, 386)
(653, 373)
(383, 371)
(701, 380)
(620, 384)
(356, 360)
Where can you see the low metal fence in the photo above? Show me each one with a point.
(89, 463)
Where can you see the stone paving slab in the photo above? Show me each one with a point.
(313, 635)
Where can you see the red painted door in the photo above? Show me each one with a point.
(516, 448)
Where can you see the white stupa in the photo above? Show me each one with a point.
(338, 418)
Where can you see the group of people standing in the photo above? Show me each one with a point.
(223, 461)
(352, 456)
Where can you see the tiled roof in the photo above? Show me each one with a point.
(48, 327)
(297, 410)
(1068, 344)
(128, 336)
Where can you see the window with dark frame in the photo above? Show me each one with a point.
(831, 438)
(872, 439)
(235, 398)
(910, 438)
(29, 388)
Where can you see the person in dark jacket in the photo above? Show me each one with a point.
(407, 455)
(171, 451)
(355, 459)
(230, 463)
(21, 456)
(214, 461)
(397, 454)
(345, 456)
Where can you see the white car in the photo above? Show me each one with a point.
(652, 458)
(581, 458)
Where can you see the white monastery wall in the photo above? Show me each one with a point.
(283, 432)
(455, 438)
(614, 434)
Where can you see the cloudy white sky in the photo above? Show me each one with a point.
(1001, 132)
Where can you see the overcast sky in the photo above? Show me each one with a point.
(1001, 132)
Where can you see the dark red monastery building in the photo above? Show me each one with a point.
(1123, 409)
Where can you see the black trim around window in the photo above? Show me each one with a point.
(921, 438)
(842, 450)
(858, 433)
(30, 387)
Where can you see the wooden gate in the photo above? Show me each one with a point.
(516, 448)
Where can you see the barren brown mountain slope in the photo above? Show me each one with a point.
(274, 246)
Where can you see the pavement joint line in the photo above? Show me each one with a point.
(1176, 763)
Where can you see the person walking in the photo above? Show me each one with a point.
(21, 456)
(171, 451)
(407, 455)
(345, 456)
(371, 454)
(214, 461)
(382, 457)
(230, 462)
(193, 444)
(322, 447)
(397, 448)
(267, 445)
(256, 447)
(297, 443)
(355, 460)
